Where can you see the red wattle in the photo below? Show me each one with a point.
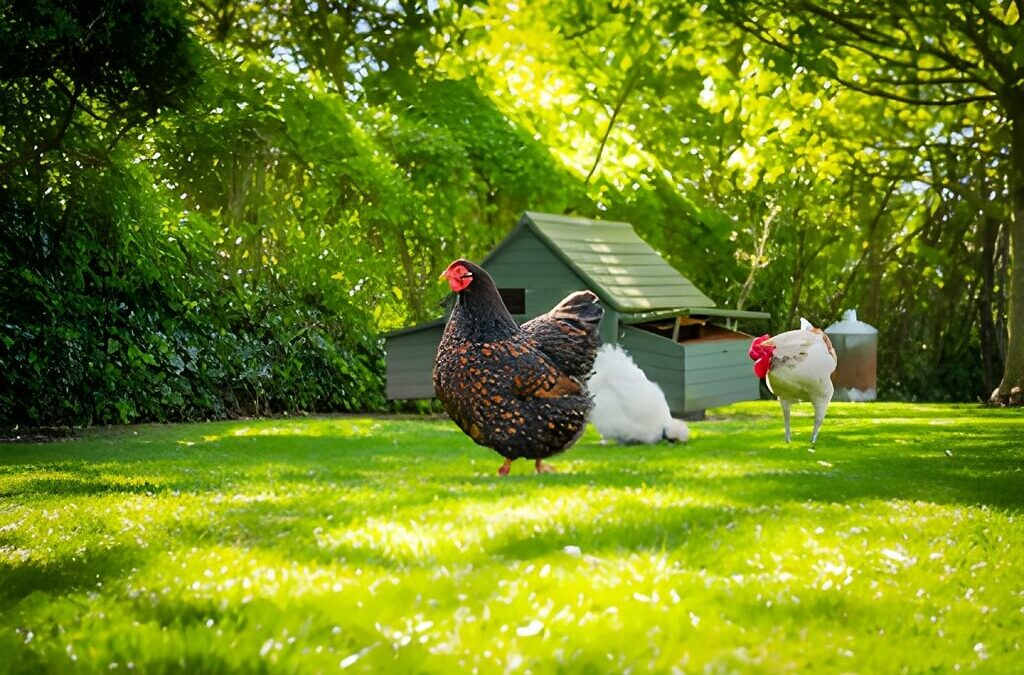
(756, 351)
(762, 365)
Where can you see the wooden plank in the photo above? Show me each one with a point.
(716, 375)
(648, 359)
(648, 266)
(513, 255)
(717, 360)
(523, 265)
(411, 361)
(407, 357)
(402, 392)
(698, 360)
(525, 242)
(599, 262)
(585, 227)
(622, 276)
(635, 339)
(656, 290)
(722, 371)
(425, 337)
(699, 348)
(703, 403)
(661, 297)
(411, 376)
(399, 346)
(585, 246)
(562, 218)
(652, 341)
(720, 386)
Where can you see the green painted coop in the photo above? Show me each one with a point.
(674, 332)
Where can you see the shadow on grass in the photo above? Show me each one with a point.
(409, 465)
(76, 486)
(66, 573)
(894, 461)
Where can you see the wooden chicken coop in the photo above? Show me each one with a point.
(673, 331)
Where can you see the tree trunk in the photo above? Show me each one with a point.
(798, 279)
(1011, 389)
(991, 354)
(871, 306)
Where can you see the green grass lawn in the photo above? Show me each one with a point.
(383, 545)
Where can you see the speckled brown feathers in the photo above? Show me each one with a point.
(518, 392)
(568, 333)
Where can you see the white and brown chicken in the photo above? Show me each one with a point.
(797, 366)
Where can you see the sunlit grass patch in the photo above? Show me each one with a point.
(383, 545)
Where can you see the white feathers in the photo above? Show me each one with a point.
(802, 365)
(628, 407)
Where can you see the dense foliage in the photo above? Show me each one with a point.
(215, 207)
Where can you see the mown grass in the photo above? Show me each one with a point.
(387, 545)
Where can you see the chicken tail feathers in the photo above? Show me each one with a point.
(581, 306)
(568, 334)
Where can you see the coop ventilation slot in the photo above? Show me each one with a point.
(514, 299)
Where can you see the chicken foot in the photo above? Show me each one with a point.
(543, 468)
(539, 465)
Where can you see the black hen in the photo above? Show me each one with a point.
(568, 335)
(516, 390)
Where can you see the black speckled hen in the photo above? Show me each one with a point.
(518, 390)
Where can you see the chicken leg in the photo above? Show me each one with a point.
(820, 408)
(543, 468)
(505, 468)
(785, 414)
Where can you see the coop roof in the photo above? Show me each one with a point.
(619, 266)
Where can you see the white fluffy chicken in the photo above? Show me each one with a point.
(628, 407)
(797, 366)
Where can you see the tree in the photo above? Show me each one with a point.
(968, 56)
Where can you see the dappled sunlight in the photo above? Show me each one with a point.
(335, 428)
(383, 545)
(475, 528)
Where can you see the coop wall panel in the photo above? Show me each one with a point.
(410, 363)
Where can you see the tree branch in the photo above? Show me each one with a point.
(892, 96)
(927, 81)
(627, 88)
(993, 58)
(891, 60)
(844, 287)
(883, 40)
